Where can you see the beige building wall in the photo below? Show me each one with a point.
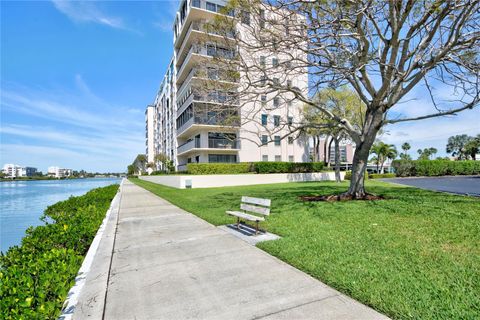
(192, 57)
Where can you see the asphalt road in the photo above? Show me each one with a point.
(469, 185)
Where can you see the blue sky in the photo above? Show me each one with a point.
(76, 77)
(75, 80)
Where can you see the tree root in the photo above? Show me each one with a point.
(340, 197)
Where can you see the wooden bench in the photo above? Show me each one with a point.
(252, 209)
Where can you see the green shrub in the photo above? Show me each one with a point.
(219, 168)
(348, 175)
(287, 167)
(36, 276)
(258, 167)
(381, 175)
(410, 168)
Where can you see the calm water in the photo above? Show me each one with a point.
(23, 202)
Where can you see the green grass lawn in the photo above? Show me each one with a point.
(413, 256)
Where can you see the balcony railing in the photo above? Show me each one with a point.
(212, 120)
(222, 143)
(207, 50)
(202, 4)
(213, 143)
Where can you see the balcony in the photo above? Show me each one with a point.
(207, 51)
(199, 9)
(223, 144)
(201, 30)
(220, 98)
(190, 144)
(219, 145)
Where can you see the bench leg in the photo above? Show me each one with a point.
(256, 228)
(238, 223)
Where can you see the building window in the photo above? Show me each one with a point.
(275, 62)
(289, 103)
(276, 81)
(290, 121)
(277, 140)
(245, 17)
(278, 158)
(264, 100)
(212, 73)
(264, 139)
(262, 18)
(263, 61)
(265, 157)
(196, 3)
(211, 7)
(211, 50)
(264, 119)
(289, 83)
(229, 158)
(276, 101)
(263, 80)
(288, 64)
(290, 140)
(276, 121)
(290, 158)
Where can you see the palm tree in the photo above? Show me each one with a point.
(383, 152)
(405, 147)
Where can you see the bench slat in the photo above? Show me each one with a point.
(245, 216)
(259, 201)
(256, 209)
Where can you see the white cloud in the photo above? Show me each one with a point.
(78, 130)
(88, 11)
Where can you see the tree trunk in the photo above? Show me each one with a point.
(337, 159)
(325, 149)
(328, 151)
(315, 148)
(373, 121)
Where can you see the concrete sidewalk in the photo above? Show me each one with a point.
(161, 262)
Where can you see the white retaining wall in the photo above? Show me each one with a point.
(225, 180)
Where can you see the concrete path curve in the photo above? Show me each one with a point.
(161, 262)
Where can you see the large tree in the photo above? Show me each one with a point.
(456, 146)
(383, 50)
(343, 103)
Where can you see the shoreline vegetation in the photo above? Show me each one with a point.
(36, 276)
(414, 255)
(51, 178)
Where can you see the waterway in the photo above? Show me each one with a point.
(22, 203)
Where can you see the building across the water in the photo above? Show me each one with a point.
(13, 171)
(58, 172)
(187, 120)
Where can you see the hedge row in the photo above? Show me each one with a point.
(36, 276)
(410, 168)
(288, 167)
(219, 168)
(381, 175)
(348, 175)
(254, 167)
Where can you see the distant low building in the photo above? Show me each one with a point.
(323, 149)
(59, 172)
(15, 171)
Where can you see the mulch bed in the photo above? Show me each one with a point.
(339, 197)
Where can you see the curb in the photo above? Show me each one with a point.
(71, 301)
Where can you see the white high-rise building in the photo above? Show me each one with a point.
(188, 121)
